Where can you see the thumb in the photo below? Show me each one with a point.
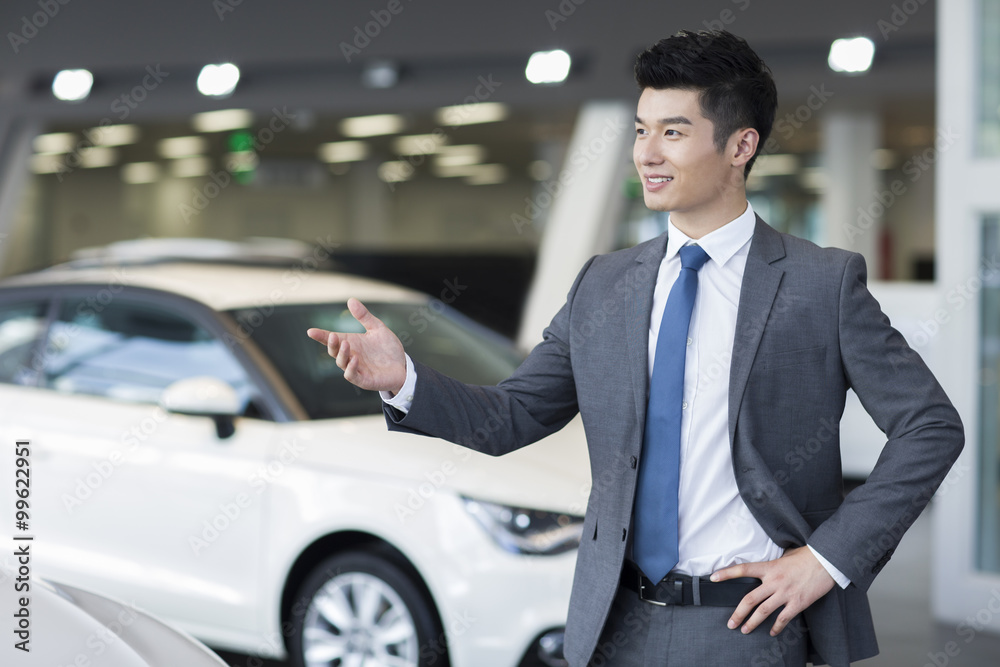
(362, 315)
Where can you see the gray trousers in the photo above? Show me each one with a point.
(640, 634)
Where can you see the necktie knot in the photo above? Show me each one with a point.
(693, 257)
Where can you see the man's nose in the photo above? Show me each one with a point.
(650, 153)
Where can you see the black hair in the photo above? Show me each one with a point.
(736, 87)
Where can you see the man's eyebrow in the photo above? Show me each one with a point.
(673, 120)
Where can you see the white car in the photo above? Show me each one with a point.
(64, 625)
(194, 451)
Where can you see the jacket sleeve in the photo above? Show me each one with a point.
(923, 430)
(537, 400)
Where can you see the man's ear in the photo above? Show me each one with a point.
(743, 146)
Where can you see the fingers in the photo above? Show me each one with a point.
(342, 355)
(362, 315)
(318, 335)
(743, 609)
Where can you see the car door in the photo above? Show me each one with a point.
(149, 506)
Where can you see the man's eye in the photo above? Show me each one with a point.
(639, 130)
(673, 133)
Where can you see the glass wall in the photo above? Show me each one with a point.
(416, 182)
(989, 404)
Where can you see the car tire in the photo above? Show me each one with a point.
(364, 603)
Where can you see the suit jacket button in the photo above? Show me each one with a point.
(624, 532)
(632, 462)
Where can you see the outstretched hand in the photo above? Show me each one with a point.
(794, 581)
(373, 360)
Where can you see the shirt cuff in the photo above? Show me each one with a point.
(837, 575)
(404, 399)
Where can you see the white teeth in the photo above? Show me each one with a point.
(660, 180)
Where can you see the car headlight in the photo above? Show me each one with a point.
(522, 530)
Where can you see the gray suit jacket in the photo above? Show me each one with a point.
(807, 330)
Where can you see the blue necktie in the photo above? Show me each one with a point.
(655, 538)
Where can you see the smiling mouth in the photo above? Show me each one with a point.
(660, 179)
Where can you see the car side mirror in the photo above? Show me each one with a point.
(206, 396)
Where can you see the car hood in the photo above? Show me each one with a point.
(67, 623)
(552, 474)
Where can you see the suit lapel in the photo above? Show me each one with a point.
(760, 286)
(642, 282)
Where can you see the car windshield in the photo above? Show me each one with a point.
(431, 334)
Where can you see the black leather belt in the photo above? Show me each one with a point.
(681, 589)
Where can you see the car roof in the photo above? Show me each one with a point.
(224, 286)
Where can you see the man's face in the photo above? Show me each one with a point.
(675, 154)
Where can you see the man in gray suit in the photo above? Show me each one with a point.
(753, 555)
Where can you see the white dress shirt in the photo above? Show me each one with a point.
(716, 528)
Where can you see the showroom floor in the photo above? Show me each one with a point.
(900, 600)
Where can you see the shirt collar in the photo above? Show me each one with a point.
(721, 244)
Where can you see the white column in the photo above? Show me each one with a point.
(853, 204)
(16, 138)
(586, 205)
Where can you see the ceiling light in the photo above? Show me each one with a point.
(779, 164)
(218, 80)
(372, 126)
(190, 167)
(113, 135)
(395, 171)
(470, 114)
(454, 156)
(98, 156)
(222, 120)
(140, 172)
(540, 170)
(380, 74)
(47, 164)
(548, 66)
(54, 143)
(343, 151)
(487, 174)
(419, 144)
(72, 85)
(813, 178)
(241, 161)
(852, 56)
(883, 158)
(176, 147)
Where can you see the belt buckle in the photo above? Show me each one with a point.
(676, 593)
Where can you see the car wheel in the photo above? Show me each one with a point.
(361, 609)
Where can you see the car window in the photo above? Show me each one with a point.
(21, 325)
(132, 351)
(431, 334)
